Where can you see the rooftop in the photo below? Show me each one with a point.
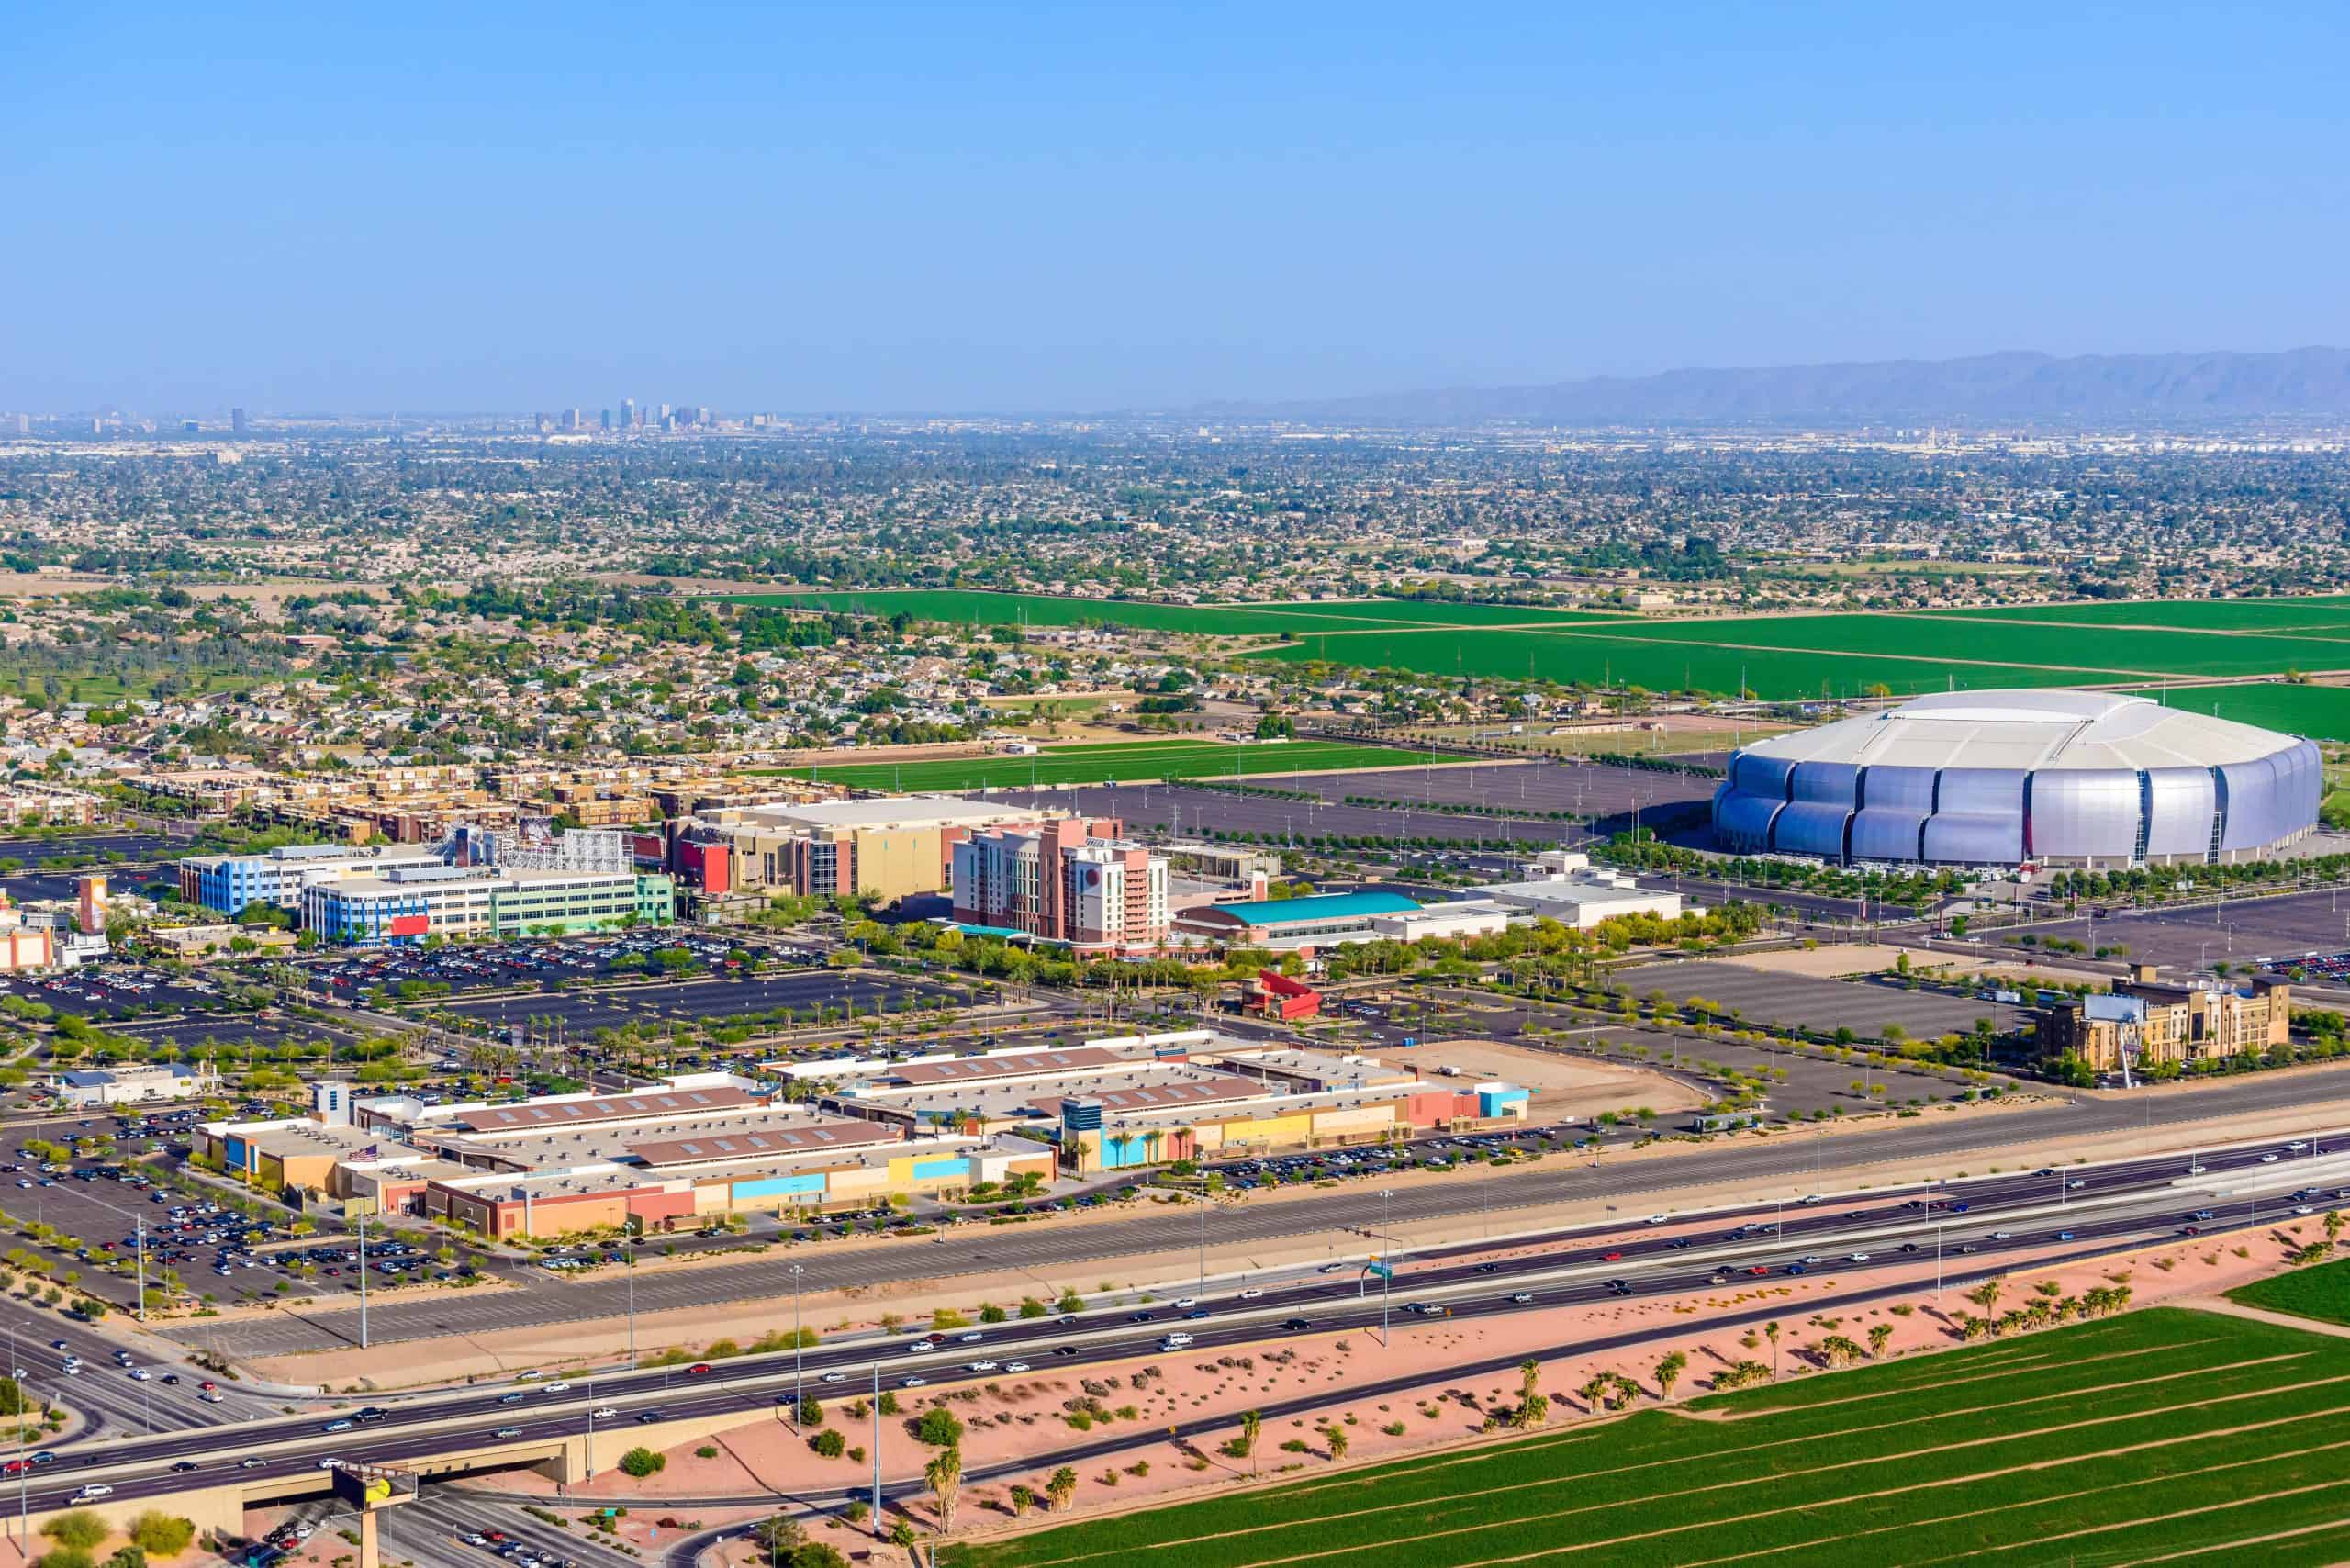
(2028, 730)
(1318, 906)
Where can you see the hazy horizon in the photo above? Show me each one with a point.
(1052, 209)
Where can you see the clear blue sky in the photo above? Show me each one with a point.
(891, 207)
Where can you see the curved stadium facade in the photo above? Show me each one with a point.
(2009, 778)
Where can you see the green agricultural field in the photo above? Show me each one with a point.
(2323, 1292)
(2322, 713)
(1120, 760)
(1602, 658)
(975, 607)
(2184, 614)
(2163, 1435)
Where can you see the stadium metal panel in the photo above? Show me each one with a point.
(2009, 778)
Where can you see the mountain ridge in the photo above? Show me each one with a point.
(2008, 386)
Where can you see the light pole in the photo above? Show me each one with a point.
(362, 1220)
(1387, 1276)
(877, 1449)
(139, 1239)
(797, 1271)
(632, 1306)
(590, 1475)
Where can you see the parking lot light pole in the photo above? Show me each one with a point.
(138, 1238)
(362, 1225)
(632, 1307)
(590, 1474)
(797, 1272)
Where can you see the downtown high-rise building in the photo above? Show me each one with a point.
(238, 423)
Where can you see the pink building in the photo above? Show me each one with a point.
(1072, 880)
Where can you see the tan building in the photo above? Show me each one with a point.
(890, 848)
(2149, 1021)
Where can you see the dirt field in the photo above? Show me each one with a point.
(1559, 1086)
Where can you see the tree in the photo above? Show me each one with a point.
(940, 1427)
(163, 1535)
(2333, 1225)
(641, 1462)
(1668, 1372)
(828, 1444)
(1060, 1489)
(1770, 1332)
(945, 1474)
(1251, 1425)
(1880, 1335)
(777, 1535)
(1337, 1438)
(1021, 1498)
(816, 1554)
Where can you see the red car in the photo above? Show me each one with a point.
(1760, 1269)
(698, 1368)
(1611, 1257)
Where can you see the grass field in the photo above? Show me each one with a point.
(1780, 656)
(1128, 761)
(2322, 713)
(2162, 1435)
(2322, 1291)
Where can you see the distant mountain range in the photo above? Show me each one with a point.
(1997, 388)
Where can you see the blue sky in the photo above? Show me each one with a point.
(888, 206)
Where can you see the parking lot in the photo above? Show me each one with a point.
(1764, 998)
(1189, 812)
(109, 990)
(712, 999)
(2275, 932)
(269, 1027)
(505, 966)
(46, 868)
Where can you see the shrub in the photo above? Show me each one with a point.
(829, 1444)
(81, 1530)
(641, 1462)
(65, 1557)
(162, 1535)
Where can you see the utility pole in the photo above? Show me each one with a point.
(590, 1475)
(876, 1449)
(139, 1236)
(632, 1307)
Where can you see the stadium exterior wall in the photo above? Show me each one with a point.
(2224, 814)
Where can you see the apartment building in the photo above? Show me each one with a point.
(1073, 880)
(231, 883)
(889, 848)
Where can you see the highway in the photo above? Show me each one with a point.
(1052, 1252)
(2114, 1208)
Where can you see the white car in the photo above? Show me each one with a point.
(1251, 1293)
(913, 1382)
(1016, 1366)
(2303, 1209)
(981, 1367)
(973, 1338)
(93, 1490)
(2268, 1160)
(1656, 1220)
(139, 1374)
(1184, 1302)
(835, 1377)
(606, 1414)
(1856, 1257)
(920, 1346)
(558, 1388)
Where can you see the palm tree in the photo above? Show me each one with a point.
(1668, 1372)
(1060, 1490)
(1338, 1441)
(945, 1474)
(2333, 1227)
(1880, 1335)
(1770, 1332)
(1251, 1425)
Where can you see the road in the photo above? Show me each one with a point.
(2033, 1214)
(1053, 1252)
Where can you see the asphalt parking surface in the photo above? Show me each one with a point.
(1189, 812)
(2280, 927)
(105, 990)
(686, 999)
(1865, 1006)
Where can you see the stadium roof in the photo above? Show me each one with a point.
(2031, 730)
(1317, 906)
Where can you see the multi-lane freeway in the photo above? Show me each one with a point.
(1858, 1243)
(1045, 1249)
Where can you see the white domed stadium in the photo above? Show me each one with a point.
(2082, 778)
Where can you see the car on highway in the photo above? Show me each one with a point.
(1183, 1301)
(833, 1377)
(2204, 1213)
(646, 1417)
(2303, 1209)
(981, 1367)
(913, 1382)
(183, 1467)
(341, 1424)
(250, 1464)
(699, 1369)
(606, 1414)
(1522, 1297)
(1251, 1293)
(93, 1490)
(1856, 1257)
(1016, 1366)
(921, 1346)
(513, 1398)
(2268, 1160)
(2002, 1235)
(1295, 1325)
(1065, 1350)
(2064, 1236)
(507, 1432)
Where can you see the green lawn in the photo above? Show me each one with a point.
(1780, 656)
(2322, 713)
(1125, 761)
(2322, 1291)
(2160, 1434)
